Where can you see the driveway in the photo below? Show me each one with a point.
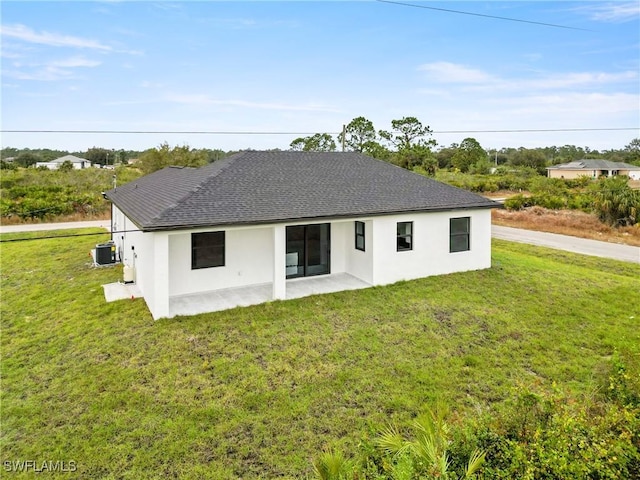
(584, 246)
(626, 253)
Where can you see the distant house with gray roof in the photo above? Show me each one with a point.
(77, 162)
(251, 227)
(593, 169)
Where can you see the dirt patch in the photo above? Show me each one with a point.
(566, 222)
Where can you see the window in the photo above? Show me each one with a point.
(207, 250)
(459, 234)
(360, 236)
(405, 236)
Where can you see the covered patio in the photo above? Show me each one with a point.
(193, 304)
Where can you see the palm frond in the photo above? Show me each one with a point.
(475, 462)
(390, 441)
(332, 465)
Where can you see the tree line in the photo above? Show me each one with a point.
(408, 143)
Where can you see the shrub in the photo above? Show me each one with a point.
(518, 202)
(616, 203)
(552, 202)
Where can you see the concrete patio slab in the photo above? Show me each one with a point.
(225, 299)
(303, 287)
(120, 291)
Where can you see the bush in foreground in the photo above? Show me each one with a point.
(534, 434)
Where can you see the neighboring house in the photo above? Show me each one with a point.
(593, 169)
(260, 219)
(77, 162)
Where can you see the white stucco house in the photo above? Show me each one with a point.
(593, 169)
(77, 162)
(266, 221)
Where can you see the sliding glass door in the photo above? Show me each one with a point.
(308, 250)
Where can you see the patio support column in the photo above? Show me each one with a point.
(279, 262)
(161, 275)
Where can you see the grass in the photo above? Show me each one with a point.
(259, 392)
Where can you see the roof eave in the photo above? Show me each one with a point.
(160, 228)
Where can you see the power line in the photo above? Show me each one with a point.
(25, 239)
(533, 130)
(177, 132)
(217, 132)
(484, 15)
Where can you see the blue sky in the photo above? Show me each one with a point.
(306, 67)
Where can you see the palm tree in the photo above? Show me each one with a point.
(427, 451)
(332, 465)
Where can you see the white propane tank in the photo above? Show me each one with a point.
(129, 274)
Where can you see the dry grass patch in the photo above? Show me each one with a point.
(74, 217)
(566, 222)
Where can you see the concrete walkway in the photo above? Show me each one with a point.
(616, 251)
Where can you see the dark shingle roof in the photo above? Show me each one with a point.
(267, 187)
(593, 164)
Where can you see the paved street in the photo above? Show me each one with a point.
(38, 227)
(584, 246)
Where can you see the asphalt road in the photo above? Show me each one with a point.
(583, 246)
(38, 227)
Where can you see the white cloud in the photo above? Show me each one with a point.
(613, 11)
(447, 72)
(26, 34)
(199, 99)
(593, 105)
(49, 71)
(47, 74)
(568, 80)
(471, 79)
(75, 62)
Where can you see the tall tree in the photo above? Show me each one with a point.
(468, 153)
(99, 156)
(408, 132)
(26, 159)
(527, 157)
(320, 142)
(445, 154)
(358, 135)
(632, 151)
(165, 156)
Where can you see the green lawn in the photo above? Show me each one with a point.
(259, 391)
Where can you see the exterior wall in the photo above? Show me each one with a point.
(248, 261)
(359, 263)
(571, 174)
(430, 254)
(135, 249)
(55, 165)
(632, 174)
(162, 260)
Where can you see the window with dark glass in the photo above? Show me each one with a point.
(360, 236)
(405, 236)
(207, 250)
(459, 234)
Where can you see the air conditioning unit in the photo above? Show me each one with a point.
(106, 253)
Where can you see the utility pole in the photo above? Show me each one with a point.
(344, 134)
